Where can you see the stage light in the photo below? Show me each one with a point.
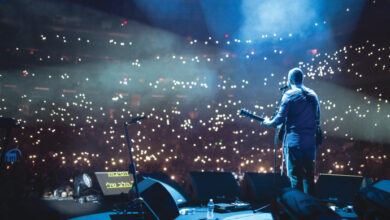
(81, 183)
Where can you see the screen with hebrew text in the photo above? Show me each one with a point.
(114, 183)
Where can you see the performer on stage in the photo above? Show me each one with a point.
(299, 111)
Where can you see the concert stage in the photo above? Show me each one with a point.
(199, 213)
(336, 196)
(75, 211)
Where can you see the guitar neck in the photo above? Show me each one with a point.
(256, 117)
(249, 114)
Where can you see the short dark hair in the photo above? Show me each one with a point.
(296, 76)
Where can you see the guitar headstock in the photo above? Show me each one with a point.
(245, 112)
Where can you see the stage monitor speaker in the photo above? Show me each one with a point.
(373, 202)
(220, 186)
(164, 178)
(162, 198)
(263, 187)
(296, 205)
(340, 189)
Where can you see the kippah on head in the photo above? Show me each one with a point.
(295, 76)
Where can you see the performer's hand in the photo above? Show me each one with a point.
(267, 122)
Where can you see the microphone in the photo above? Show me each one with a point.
(283, 88)
(134, 120)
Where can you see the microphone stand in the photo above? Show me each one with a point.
(138, 201)
(283, 89)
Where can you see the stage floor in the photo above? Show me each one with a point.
(200, 213)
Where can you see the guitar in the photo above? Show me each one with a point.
(249, 114)
(282, 129)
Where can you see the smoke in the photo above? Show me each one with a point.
(281, 17)
(301, 19)
(353, 115)
(135, 52)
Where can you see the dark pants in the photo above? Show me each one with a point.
(300, 168)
